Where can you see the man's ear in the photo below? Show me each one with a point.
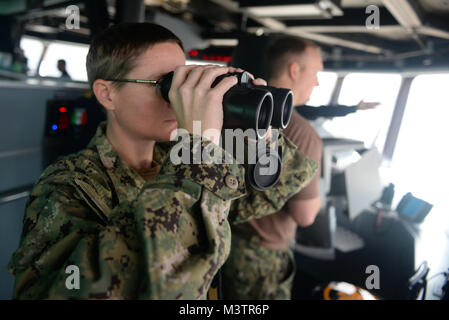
(294, 70)
(103, 92)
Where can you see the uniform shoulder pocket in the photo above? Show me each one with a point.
(92, 199)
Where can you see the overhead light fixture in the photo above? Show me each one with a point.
(272, 24)
(222, 42)
(403, 12)
(322, 8)
(41, 28)
(331, 7)
(286, 10)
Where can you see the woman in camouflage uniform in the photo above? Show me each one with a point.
(134, 224)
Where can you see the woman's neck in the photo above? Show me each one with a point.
(137, 153)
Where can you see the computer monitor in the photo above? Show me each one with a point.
(330, 147)
(363, 182)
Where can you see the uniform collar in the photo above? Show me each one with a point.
(126, 180)
(110, 158)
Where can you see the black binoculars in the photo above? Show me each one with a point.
(247, 106)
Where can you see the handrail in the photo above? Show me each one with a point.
(15, 194)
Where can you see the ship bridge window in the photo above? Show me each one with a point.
(421, 158)
(369, 126)
(33, 49)
(321, 95)
(73, 54)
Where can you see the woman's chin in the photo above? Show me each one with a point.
(167, 135)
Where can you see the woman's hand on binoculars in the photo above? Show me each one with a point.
(193, 99)
(259, 82)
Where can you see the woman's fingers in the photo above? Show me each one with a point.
(232, 69)
(209, 75)
(193, 77)
(259, 82)
(224, 85)
(180, 75)
(193, 99)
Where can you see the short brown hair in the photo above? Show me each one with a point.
(280, 50)
(113, 52)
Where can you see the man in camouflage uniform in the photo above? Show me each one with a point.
(253, 272)
(135, 224)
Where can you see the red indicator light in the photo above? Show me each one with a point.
(62, 109)
(227, 58)
(84, 119)
(63, 122)
(193, 53)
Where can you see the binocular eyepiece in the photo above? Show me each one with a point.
(246, 106)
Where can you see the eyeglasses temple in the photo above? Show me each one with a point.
(135, 81)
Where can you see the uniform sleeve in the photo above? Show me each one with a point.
(312, 113)
(168, 243)
(308, 142)
(312, 190)
(297, 171)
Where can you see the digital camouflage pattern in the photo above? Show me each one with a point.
(137, 239)
(248, 272)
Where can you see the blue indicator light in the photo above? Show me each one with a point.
(54, 127)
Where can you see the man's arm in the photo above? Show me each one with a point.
(312, 113)
(304, 206)
(367, 105)
(304, 211)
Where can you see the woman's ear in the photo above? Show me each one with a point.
(103, 92)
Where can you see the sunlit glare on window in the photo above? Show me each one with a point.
(322, 93)
(369, 126)
(421, 158)
(33, 50)
(73, 54)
